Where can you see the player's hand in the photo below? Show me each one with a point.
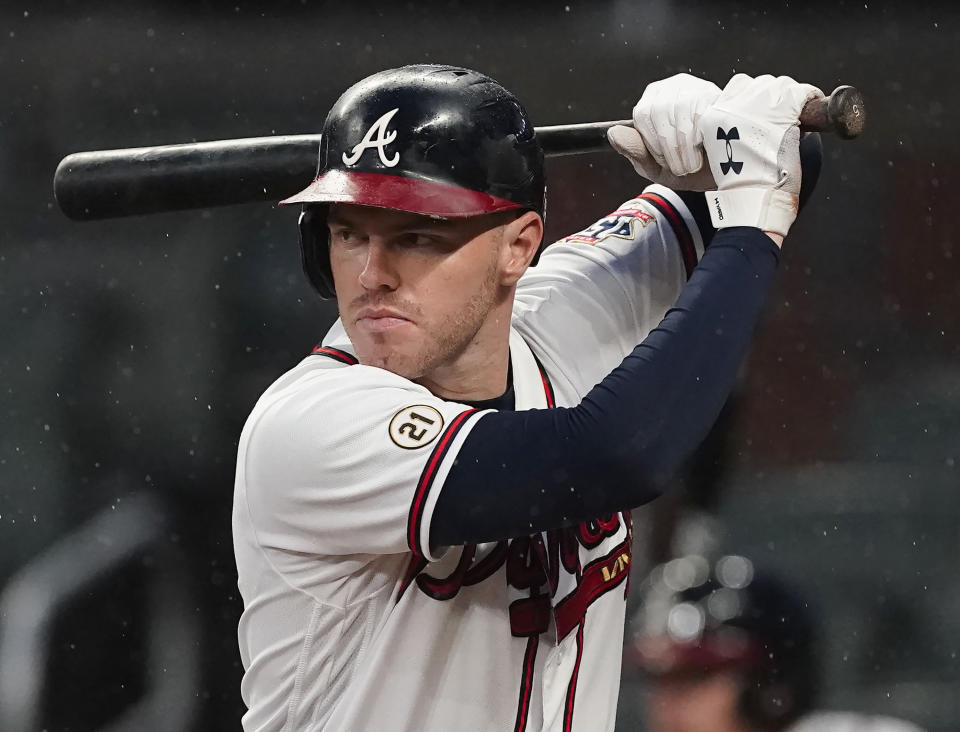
(751, 136)
(665, 144)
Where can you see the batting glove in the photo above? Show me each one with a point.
(751, 136)
(665, 143)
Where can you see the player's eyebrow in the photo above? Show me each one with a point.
(333, 218)
(407, 222)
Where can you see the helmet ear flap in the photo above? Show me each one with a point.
(315, 249)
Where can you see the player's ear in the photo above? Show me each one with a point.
(521, 239)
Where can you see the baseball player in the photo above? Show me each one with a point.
(726, 647)
(431, 515)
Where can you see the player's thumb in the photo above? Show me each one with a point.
(628, 142)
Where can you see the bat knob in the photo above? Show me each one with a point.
(846, 112)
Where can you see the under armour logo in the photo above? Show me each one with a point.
(729, 163)
(383, 138)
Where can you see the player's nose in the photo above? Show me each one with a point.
(379, 271)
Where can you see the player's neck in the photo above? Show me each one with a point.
(480, 371)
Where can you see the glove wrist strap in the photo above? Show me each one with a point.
(768, 209)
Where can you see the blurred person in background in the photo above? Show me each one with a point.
(726, 648)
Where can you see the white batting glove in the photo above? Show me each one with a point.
(665, 143)
(751, 136)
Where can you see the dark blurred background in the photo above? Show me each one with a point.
(133, 349)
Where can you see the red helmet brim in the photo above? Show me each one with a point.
(413, 195)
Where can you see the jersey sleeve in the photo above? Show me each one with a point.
(349, 461)
(596, 294)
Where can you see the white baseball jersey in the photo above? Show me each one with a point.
(350, 621)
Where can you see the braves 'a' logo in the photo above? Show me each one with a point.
(383, 138)
(729, 163)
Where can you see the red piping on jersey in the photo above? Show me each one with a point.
(526, 683)
(687, 248)
(547, 387)
(337, 354)
(628, 520)
(572, 689)
(572, 609)
(413, 569)
(426, 481)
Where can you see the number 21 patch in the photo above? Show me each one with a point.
(415, 426)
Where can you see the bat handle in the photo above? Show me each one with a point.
(842, 113)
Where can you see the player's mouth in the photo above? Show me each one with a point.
(378, 320)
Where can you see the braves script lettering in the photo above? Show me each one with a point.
(534, 565)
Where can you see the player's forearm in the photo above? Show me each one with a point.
(519, 472)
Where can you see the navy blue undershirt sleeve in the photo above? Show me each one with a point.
(527, 471)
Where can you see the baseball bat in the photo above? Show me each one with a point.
(132, 181)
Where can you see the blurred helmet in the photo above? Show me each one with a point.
(699, 617)
(440, 141)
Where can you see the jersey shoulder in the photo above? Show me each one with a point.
(597, 293)
(630, 225)
(336, 458)
(330, 404)
(333, 376)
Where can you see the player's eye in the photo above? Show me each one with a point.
(343, 236)
(414, 239)
(420, 240)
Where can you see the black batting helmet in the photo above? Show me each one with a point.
(441, 141)
(698, 617)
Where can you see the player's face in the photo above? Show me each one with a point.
(700, 703)
(415, 293)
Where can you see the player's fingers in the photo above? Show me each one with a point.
(663, 141)
(666, 117)
(737, 83)
(652, 144)
(794, 94)
(674, 125)
(690, 149)
(629, 143)
(626, 141)
(674, 120)
(691, 159)
(646, 120)
(677, 128)
(672, 155)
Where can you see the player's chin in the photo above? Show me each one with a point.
(398, 365)
(399, 358)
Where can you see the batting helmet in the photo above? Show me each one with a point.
(441, 141)
(697, 618)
